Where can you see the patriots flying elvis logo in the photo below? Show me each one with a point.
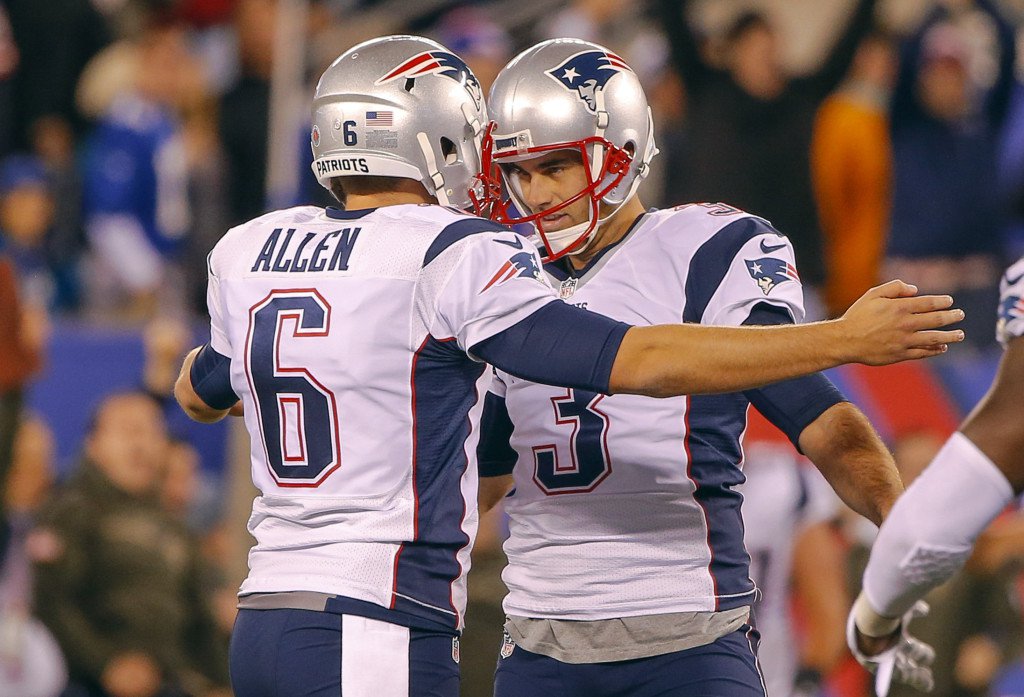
(1012, 307)
(586, 73)
(770, 272)
(438, 63)
(521, 265)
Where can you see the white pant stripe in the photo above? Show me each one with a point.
(374, 658)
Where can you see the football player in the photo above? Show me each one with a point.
(932, 527)
(352, 339)
(627, 571)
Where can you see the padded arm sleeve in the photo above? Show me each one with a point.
(932, 528)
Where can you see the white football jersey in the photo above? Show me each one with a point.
(1010, 323)
(347, 334)
(624, 505)
(782, 494)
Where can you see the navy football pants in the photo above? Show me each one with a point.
(303, 653)
(725, 668)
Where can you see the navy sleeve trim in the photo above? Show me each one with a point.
(712, 261)
(792, 405)
(457, 231)
(495, 456)
(558, 345)
(211, 378)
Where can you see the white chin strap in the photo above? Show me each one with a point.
(558, 240)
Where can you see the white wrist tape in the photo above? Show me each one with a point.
(869, 622)
(932, 528)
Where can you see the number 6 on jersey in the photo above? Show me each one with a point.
(298, 415)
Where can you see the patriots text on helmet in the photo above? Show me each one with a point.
(341, 166)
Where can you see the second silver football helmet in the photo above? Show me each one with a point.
(400, 106)
(567, 94)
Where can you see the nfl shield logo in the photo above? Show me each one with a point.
(314, 137)
(507, 646)
(567, 288)
(455, 649)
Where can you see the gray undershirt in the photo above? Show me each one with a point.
(625, 638)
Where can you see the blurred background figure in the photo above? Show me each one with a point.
(476, 38)
(138, 213)
(28, 210)
(851, 167)
(31, 663)
(8, 62)
(750, 122)
(118, 579)
(948, 111)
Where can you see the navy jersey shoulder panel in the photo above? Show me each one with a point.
(712, 260)
(458, 230)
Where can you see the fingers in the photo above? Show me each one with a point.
(935, 337)
(919, 652)
(926, 303)
(916, 354)
(936, 319)
(893, 289)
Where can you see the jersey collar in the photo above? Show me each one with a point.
(340, 214)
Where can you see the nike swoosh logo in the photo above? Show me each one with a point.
(768, 249)
(514, 244)
(1013, 281)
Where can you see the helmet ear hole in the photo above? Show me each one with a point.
(449, 151)
(410, 82)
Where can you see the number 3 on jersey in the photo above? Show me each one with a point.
(298, 414)
(588, 446)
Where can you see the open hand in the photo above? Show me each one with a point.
(891, 323)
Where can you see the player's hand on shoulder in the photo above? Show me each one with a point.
(892, 656)
(891, 323)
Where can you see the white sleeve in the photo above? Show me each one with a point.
(1011, 304)
(481, 286)
(218, 334)
(763, 271)
(931, 530)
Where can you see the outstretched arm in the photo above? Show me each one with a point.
(689, 63)
(839, 59)
(998, 102)
(885, 326)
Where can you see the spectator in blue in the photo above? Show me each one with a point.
(946, 131)
(136, 177)
(26, 224)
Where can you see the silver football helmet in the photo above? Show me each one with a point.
(566, 94)
(400, 106)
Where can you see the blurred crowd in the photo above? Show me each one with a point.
(885, 138)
